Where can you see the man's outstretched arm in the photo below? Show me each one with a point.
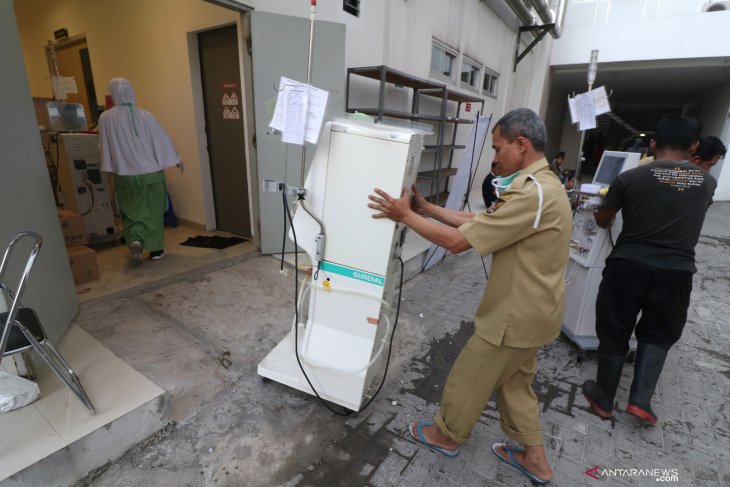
(446, 216)
(604, 216)
(399, 210)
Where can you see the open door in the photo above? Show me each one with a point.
(222, 98)
(280, 47)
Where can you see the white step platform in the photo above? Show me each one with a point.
(38, 435)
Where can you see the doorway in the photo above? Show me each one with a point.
(222, 106)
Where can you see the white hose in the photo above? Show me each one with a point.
(354, 293)
(365, 367)
(301, 297)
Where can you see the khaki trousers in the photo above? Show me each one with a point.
(480, 369)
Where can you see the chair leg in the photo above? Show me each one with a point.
(67, 376)
(84, 397)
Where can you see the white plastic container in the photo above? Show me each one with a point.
(590, 188)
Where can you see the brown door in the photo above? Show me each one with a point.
(72, 59)
(220, 73)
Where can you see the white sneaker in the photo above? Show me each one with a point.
(157, 254)
(135, 253)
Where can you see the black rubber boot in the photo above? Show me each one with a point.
(601, 392)
(647, 369)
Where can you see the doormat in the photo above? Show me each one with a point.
(212, 242)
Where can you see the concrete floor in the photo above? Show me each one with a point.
(214, 328)
(239, 431)
(200, 335)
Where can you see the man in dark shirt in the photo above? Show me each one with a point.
(488, 193)
(709, 152)
(556, 165)
(663, 205)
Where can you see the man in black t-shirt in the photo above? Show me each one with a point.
(650, 269)
(488, 193)
(709, 152)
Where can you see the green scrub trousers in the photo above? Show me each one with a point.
(141, 202)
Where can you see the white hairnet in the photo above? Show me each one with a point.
(121, 91)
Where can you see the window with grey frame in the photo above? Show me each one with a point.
(470, 74)
(489, 83)
(442, 60)
(351, 7)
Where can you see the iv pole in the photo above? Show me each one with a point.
(301, 191)
(312, 12)
(592, 69)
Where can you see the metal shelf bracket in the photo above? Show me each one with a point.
(543, 30)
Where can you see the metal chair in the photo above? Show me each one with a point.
(22, 330)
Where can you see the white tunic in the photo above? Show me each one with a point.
(131, 140)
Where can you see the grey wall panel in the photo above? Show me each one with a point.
(280, 48)
(26, 198)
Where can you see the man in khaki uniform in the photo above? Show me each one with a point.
(528, 232)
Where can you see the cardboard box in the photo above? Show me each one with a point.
(84, 265)
(72, 225)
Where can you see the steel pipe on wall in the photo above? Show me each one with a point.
(523, 13)
(546, 14)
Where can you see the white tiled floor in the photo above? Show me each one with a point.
(58, 419)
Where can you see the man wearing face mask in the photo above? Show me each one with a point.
(528, 232)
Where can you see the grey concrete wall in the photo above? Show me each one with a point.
(26, 198)
(280, 45)
(714, 114)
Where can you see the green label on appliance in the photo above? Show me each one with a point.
(352, 273)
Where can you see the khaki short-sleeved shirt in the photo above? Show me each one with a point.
(523, 302)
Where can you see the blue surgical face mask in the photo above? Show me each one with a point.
(502, 184)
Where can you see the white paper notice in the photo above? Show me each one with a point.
(69, 84)
(573, 110)
(295, 114)
(296, 125)
(277, 121)
(315, 113)
(59, 89)
(600, 100)
(586, 111)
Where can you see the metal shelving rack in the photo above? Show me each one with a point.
(421, 88)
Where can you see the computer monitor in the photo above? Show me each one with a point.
(67, 116)
(611, 165)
